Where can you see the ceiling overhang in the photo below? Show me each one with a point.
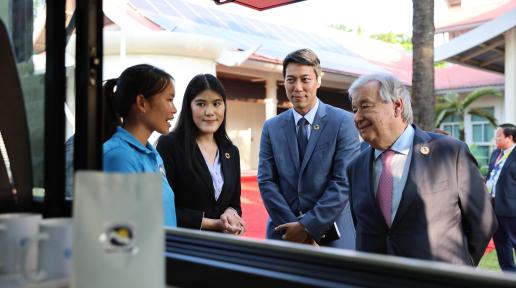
(482, 47)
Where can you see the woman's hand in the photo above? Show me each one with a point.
(212, 224)
(232, 222)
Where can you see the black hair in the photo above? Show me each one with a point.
(185, 124)
(142, 79)
(509, 129)
(303, 56)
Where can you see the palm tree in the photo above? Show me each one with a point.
(423, 62)
(452, 104)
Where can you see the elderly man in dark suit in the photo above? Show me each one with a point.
(413, 193)
(501, 183)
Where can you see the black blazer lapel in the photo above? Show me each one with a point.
(417, 170)
(226, 161)
(205, 173)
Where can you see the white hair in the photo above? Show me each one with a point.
(390, 90)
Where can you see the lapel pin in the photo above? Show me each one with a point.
(316, 127)
(424, 150)
(227, 155)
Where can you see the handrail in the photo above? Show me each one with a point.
(196, 258)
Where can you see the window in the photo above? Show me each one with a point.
(483, 133)
(451, 124)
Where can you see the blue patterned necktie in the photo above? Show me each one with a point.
(302, 137)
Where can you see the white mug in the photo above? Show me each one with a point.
(54, 250)
(15, 229)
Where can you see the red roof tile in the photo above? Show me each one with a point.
(470, 17)
(457, 77)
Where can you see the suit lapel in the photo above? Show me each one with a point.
(205, 173)
(225, 162)
(492, 161)
(317, 129)
(289, 132)
(367, 167)
(508, 161)
(417, 170)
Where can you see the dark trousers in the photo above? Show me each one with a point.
(505, 242)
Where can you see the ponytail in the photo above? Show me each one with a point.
(111, 118)
(142, 79)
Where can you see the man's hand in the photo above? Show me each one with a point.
(310, 241)
(294, 232)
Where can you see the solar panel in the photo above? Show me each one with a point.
(212, 18)
(141, 5)
(244, 33)
(163, 8)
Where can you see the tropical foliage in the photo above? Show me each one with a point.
(401, 39)
(453, 104)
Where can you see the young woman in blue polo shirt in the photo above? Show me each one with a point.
(141, 101)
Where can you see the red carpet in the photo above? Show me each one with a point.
(253, 211)
(490, 247)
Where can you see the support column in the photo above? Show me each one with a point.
(271, 99)
(510, 76)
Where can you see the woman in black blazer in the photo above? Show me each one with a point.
(201, 162)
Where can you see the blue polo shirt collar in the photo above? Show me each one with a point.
(131, 140)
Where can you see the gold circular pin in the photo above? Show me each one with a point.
(424, 150)
(227, 155)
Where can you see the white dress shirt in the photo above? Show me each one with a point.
(310, 117)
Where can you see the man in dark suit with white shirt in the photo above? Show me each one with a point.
(501, 183)
(414, 193)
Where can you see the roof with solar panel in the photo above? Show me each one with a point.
(274, 41)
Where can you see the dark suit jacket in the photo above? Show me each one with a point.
(505, 197)
(195, 197)
(444, 214)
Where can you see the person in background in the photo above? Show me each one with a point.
(413, 194)
(202, 164)
(304, 153)
(501, 183)
(141, 104)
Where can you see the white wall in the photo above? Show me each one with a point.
(244, 125)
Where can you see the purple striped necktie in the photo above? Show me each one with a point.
(385, 185)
